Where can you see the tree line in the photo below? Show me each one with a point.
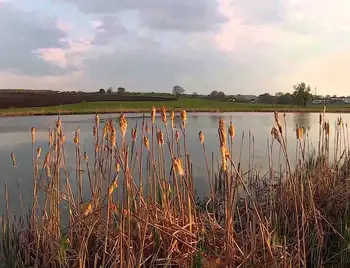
(301, 95)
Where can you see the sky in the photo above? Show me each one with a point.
(235, 46)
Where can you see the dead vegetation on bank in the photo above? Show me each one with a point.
(143, 212)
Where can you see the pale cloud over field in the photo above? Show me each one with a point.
(238, 46)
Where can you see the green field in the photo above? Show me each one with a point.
(190, 104)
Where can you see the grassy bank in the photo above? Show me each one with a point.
(143, 211)
(191, 105)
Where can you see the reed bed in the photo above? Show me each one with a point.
(143, 211)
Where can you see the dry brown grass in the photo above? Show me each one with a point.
(143, 211)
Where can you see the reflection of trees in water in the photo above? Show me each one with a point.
(302, 120)
(214, 118)
(194, 116)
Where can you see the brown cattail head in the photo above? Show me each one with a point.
(97, 120)
(276, 115)
(146, 142)
(123, 123)
(94, 131)
(231, 130)
(96, 147)
(163, 114)
(177, 164)
(320, 119)
(275, 134)
(113, 137)
(134, 134)
(183, 115)
(33, 135)
(38, 153)
(77, 136)
(222, 132)
(153, 114)
(62, 138)
(88, 209)
(117, 167)
(105, 130)
(14, 163)
(300, 133)
(172, 116)
(86, 157)
(51, 137)
(223, 152)
(201, 137)
(47, 159)
(326, 128)
(59, 125)
(278, 122)
(177, 136)
(113, 186)
(340, 122)
(160, 137)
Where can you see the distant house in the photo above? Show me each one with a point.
(331, 100)
(246, 98)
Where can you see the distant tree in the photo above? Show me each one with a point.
(214, 94)
(334, 96)
(195, 94)
(267, 98)
(302, 93)
(221, 94)
(121, 90)
(285, 99)
(178, 90)
(102, 90)
(109, 90)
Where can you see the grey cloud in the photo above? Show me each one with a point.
(21, 34)
(152, 69)
(260, 12)
(179, 15)
(110, 28)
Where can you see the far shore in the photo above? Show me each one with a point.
(44, 111)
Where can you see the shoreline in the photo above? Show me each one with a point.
(189, 110)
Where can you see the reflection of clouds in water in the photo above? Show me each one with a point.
(15, 137)
(302, 120)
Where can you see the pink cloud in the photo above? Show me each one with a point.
(63, 26)
(54, 55)
(96, 23)
(73, 55)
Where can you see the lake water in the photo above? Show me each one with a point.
(15, 137)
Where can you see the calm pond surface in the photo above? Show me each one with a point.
(15, 137)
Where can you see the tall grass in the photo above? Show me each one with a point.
(143, 211)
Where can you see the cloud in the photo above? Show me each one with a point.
(238, 46)
(22, 35)
(177, 15)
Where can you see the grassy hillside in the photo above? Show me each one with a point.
(190, 104)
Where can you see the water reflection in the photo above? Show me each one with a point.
(302, 120)
(15, 137)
